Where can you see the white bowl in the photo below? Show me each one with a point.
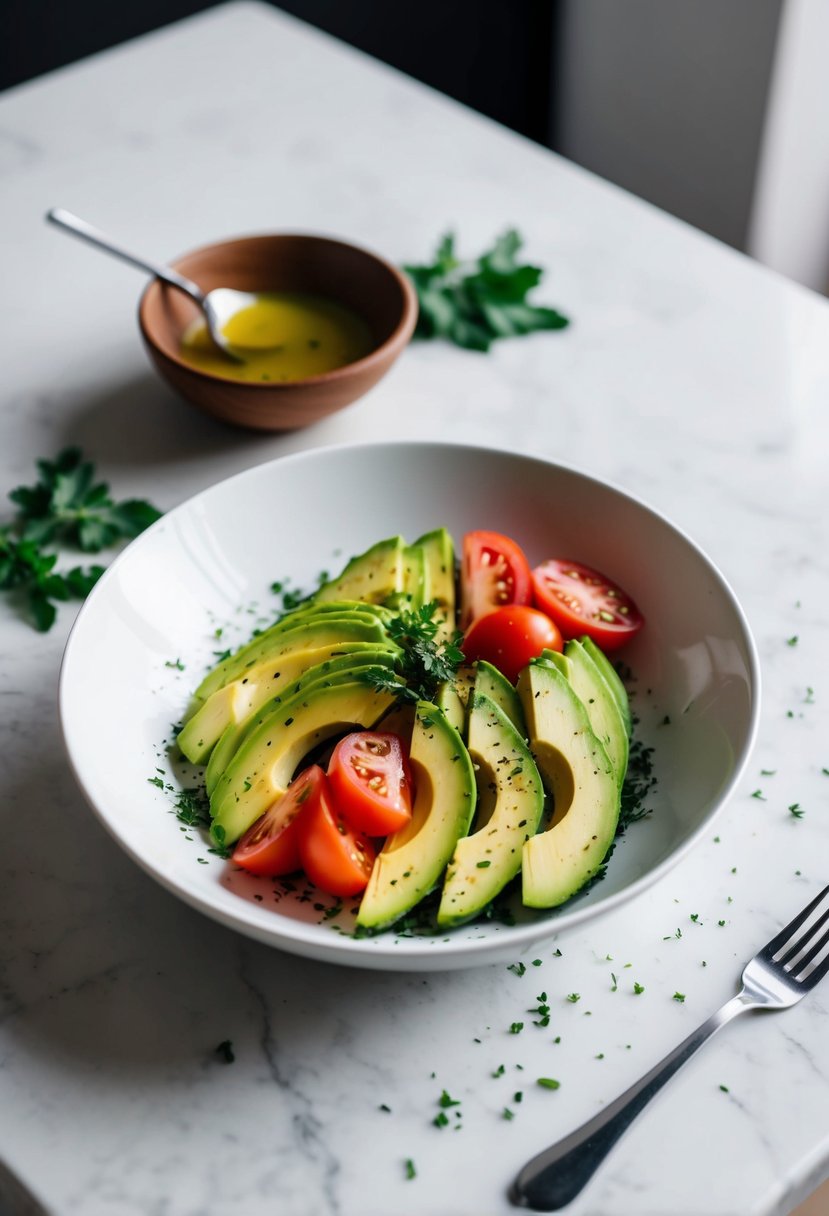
(209, 564)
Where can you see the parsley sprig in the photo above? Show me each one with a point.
(425, 662)
(473, 303)
(67, 506)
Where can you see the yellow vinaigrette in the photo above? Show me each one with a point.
(281, 336)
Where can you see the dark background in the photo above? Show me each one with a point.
(494, 55)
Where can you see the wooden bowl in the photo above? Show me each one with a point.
(353, 277)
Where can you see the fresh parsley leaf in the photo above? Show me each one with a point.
(65, 505)
(425, 663)
(474, 303)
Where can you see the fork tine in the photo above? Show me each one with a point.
(786, 933)
(798, 972)
(802, 941)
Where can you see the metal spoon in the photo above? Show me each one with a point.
(217, 305)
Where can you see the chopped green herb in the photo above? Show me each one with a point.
(474, 303)
(518, 1096)
(768, 772)
(499, 1071)
(156, 781)
(536, 962)
(548, 1083)
(573, 997)
(615, 983)
(409, 1166)
(795, 811)
(759, 795)
(177, 665)
(65, 506)
(385, 1108)
(482, 865)
(445, 1101)
(440, 1119)
(507, 1114)
(516, 1027)
(725, 1089)
(792, 641)
(425, 664)
(680, 997)
(638, 988)
(517, 969)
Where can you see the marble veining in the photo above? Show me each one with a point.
(690, 377)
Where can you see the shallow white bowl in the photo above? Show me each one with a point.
(208, 566)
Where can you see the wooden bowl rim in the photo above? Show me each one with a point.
(393, 344)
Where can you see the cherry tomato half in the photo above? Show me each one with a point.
(369, 778)
(582, 601)
(509, 637)
(494, 572)
(271, 845)
(335, 856)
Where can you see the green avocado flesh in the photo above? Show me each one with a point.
(300, 650)
(484, 862)
(371, 577)
(613, 679)
(265, 763)
(439, 566)
(490, 682)
(339, 670)
(577, 772)
(596, 696)
(412, 860)
(276, 640)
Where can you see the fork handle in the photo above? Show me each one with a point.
(80, 228)
(551, 1180)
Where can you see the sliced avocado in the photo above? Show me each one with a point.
(490, 682)
(371, 577)
(449, 700)
(613, 679)
(298, 649)
(414, 576)
(264, 765)
(554, 658)
(596, 696)
(338, 670)
(271, 641)
(576, 770)
(413, 859)
(484, 862)
(439, 556)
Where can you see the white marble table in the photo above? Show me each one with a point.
(690, 376)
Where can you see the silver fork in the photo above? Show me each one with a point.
(776, 978)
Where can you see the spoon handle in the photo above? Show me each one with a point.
(78, 227)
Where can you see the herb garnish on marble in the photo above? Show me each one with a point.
(471, 303)
(66, 506)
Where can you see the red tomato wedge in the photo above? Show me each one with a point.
(494, 572)
(271, 845)
(336, 857)
(582, 601)
(509, 637)
(370, 781)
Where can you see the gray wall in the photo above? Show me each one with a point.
(667, 98)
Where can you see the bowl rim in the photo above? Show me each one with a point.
(395, 342)
(386, 951)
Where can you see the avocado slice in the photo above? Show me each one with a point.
(272, 641)
(299, 649)
(439, 557)
(613, 679)
(596, 696)
(576, 770)
(484, 862)
(371, 577)
(337, 670)
(413, 859)
(265, 763)
(414, 576)
(492, 683)
(449, 700)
